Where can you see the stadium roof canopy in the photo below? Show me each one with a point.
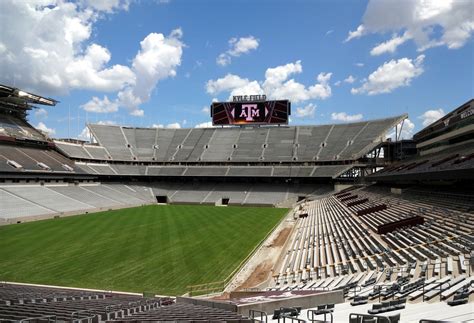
(14, 98)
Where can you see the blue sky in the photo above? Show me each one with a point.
(156, 62)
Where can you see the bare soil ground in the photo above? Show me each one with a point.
(259, 269)
(258, 276)
(281, 239)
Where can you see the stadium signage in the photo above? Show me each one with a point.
(250, 112)
(249, 98)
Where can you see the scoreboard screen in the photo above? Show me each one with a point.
(242, 113)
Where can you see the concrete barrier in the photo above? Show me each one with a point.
(304, 301)
(209, 303)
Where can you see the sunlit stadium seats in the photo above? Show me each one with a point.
(300, 143)
(27, 202)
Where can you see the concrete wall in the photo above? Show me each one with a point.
(339, 187)
(306, 301)
(396, 190)
(203, 302)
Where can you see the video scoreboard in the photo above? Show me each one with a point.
(248, 112)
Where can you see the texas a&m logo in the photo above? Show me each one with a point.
(249, 112)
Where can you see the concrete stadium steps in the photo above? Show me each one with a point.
(114, 195)
(206, 171)
(18, 201)
(140, 192)
(234, 192)
(13, 206)
(237, 193)
(32, 159)
(165, 170)
(266, 194)
(273, 144)
(84, 193)
(48, 198)
(73, 150)
(328, 171)
(192, 194)
(97, 152)
(17, 128)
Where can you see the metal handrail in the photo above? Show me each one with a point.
(263, 315)
(314, 313)
(87, 315)
(50, 318)
(441, 289)
(291, 318)
(380, 287)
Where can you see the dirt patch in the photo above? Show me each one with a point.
(281, 239)
(258, 276)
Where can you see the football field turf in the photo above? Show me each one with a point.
(159, 249)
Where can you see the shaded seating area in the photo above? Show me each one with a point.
(44, 304)
(183, 312)
(20, 302)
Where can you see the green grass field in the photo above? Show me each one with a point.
(153, 248)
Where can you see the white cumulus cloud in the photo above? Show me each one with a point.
(344, 117)
(276, 85)
(237, 47)
(174, 125)
(350, 79)
(205, 109)
(204, 125)
(100, 105)
(157, 59)
(107, 5)
(226, 83)
(391, 45)
(47, 47)
(42, 127)
(418, 18)
(306, 111)
(356, 33)
(41, 113)
(431, 116)
(391, 75)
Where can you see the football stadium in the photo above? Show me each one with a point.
(250, 218)
(239, 223)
